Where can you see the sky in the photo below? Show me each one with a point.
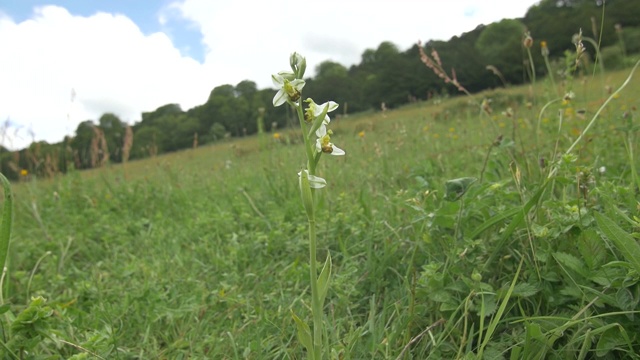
(67, 61)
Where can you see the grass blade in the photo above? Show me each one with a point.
(7, 219)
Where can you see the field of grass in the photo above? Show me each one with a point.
(203, 253)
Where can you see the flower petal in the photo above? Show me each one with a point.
(287, 75)
(322, 131)
(298, 84)
(332, 105)
(280, 98)
(277, 80)
(337, 151)
(315, 182)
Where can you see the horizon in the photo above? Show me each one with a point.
(77, 61)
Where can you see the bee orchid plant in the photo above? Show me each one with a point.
(314, 122)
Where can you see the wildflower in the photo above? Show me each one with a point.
(580, 49)
(314, 110)
(290, 87)
(361, 134)
(528, 40)
(568, 97)
(24, 172)
(544, 50)
(486, 106)
(568, 112)
(602, 169)
(298, 64)
(508, 113)
(276, 136)
(618, 27)
(324, 144)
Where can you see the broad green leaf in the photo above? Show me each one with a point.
(624, 242)
(454, 189)
(609, 340)
(625, 300)
(4, 308)
(489, 305)
(518, 218)
(525, 290)
(324, 279)
(571, 262)
(304, 333)
(591, 248)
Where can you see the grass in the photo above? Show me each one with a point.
(203, 254)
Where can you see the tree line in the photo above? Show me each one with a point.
(487, 57)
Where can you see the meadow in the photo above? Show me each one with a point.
(457, 230)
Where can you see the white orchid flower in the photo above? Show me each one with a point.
(289, 87)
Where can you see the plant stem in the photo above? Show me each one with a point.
(316, 307)
(550, 75)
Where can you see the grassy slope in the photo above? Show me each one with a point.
(202, 253)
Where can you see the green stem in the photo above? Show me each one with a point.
(311, 165)
(316, 306)
(550, 75)
(7, 219)
(533, 68)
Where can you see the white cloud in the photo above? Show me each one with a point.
(252, 39)
(114, 67)
(106, 59)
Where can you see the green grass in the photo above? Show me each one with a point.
(203, 253)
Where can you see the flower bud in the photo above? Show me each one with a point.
(528, 40)
(544, 50)
(298, 64)
(305, 193)
(307, 182)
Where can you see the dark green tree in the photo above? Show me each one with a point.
(500, 45)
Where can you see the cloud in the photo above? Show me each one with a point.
(253, 39)
(114, 67)
(109, 63)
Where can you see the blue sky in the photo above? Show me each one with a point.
(67, 61)
(145, 14)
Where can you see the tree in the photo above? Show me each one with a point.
(500, 45)
(113, 129)
(81, 144)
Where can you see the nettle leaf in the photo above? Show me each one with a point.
(611, 339)
(624, 242)
(609, 275)
(524, 290)
(569, 261)
(488, 305)
(592, 249)
(625, 300)
(441, 296)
